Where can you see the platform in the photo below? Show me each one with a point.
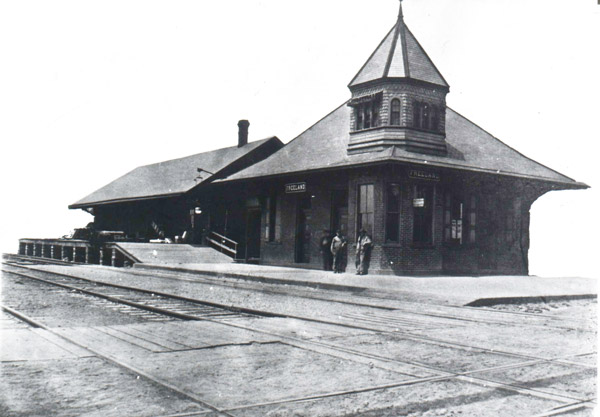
(173, 254)
(463, 289)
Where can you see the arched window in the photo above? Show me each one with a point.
(395, 115)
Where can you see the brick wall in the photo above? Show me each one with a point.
(502, 224)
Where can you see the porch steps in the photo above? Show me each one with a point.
(173, 254)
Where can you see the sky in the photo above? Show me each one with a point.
(90, 90)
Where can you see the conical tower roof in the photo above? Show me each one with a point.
(399, 55)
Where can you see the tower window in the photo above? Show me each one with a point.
(367, 114)
(395, 115)
(426, 116)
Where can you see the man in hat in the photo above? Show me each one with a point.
(363, 245)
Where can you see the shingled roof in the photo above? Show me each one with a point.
(399, 55)
(177, 176)
(324, 146)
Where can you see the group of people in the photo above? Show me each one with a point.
(334, 251)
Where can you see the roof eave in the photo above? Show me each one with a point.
(565, 185)
(123, 200)
(408, 80)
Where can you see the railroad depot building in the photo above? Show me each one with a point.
(436, 193)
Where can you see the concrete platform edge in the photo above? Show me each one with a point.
(247, 277)
(488, 302)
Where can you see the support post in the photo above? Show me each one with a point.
(87, 255)
(113, 260)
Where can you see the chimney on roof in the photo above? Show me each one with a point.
(243, 132)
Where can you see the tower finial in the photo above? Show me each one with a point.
(400, 15)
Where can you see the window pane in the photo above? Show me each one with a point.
(365, 208)
(375, 112)
(363, 199)
(393, 198)
(392, 225)
(425, 117)
(395, 112)
(423, 216)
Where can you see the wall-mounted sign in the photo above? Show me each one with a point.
(423, 175)
(296, 187)
(418, 202)
(197, 210)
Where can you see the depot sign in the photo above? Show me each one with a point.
(296, 187)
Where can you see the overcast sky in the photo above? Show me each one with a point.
(90, 90)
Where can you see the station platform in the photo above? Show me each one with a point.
(472, 290)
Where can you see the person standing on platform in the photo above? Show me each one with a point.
(338, 246)
(325, 251)
(363, 246)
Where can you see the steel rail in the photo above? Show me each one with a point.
(223, 283)
(140, 290)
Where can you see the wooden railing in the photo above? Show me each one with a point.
(223, 243)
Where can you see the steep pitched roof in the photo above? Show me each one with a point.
(324, 145)
(399, 55)
(174, 177)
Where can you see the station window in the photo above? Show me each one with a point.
(395, 113)
(423, 214)
(366, 206)
(392, 221)
(460, 219)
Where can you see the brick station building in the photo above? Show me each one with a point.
(437, 193)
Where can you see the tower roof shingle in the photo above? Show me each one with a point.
(399, 55)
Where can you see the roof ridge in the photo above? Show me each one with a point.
(508, 146)
(202, 153)
(391, 53)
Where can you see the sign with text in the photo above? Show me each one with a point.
(418, 202)
(296, 187)
(423, 175)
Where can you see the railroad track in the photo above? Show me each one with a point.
(179, 307)
(136, 298)
(174, 309)
(383, 302)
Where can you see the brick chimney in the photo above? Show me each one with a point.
(243, 132)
